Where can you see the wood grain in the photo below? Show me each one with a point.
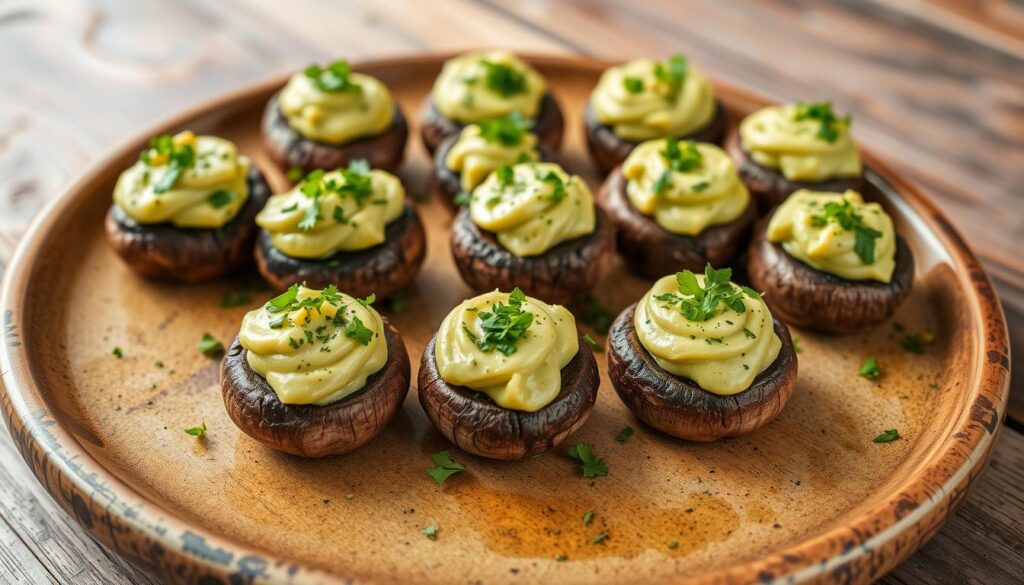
(935, 85)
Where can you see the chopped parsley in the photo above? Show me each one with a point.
(199, 431)
(915, 342)
(682, 158)
(117, 352)
(356, 184)
(673, 544)
(158, 364)
(557, 185)
(209, 346)
(463, 198)
(430, 531)
(887, 436)
(359, 332)
(334, 78)
(222, 198)
(443, 467)
(633, 84)
(750, 334)
(828, 122)
(796, 345)
(295, 174)
(601, 537)
(588, 517)
(507, 131)
(590, 466)
(561, 557)
(505, 175)
(700, 303)
(844, 215)
(624, 434)
(504, 325)
(870, 369)
(502, 79)
(672, 73)
(164, 150)
(595, 346)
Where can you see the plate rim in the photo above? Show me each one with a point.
(161, 542)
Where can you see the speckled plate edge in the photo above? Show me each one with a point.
(160, 543)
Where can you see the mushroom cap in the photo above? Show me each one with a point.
(653, 252)
(448, 183)
(309, 430)
(809, 298)
(549, 125)
(771, 187)
(289, 149)
(477, 425)
(608, 150)
(562, 274)
(382, 269)
(681, 408)
(165, 252)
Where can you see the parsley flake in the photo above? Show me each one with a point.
(209, 346)
(633, 84)
(199, 431)
(624, 435)
(672, 73)
(828, 122)
(430, 531)
(870, 369)
(601, 537)
(117, 352)
(588, 517)
(700, 303)
(503, 79)
(887, 436)
(504, 325)
(356, 330)
(590, 466)
(444, 467)
(507, 131)
(335, 78)
(594, 346)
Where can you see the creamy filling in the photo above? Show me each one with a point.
(314, 347)
(801, 147)
(489, 84)
(322, 108)
(477, 154)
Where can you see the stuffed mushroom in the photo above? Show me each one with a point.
(185, 210)
(678, 205)
(533, 225)
(831, 262)
(489, 84)
(645, 100)
(782, 149)
(701, 358)
(327, 117)
(314, 373)
(507, 376)
(351, 227)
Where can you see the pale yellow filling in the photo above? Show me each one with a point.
(526, 380)
(357, 226)
(651, 112)
(689, 201)
(461, 92)
(309, 359)
(722, 355)
(337, 117)
(207, 195)
(775, 139)
(474, 157)
(529, 216)
(827, 246)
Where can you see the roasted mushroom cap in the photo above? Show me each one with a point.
(653, 252)
(309, 430)
(382, 269)
(681, 408)
(549, 125)
(448, 183)
(289, 149)
(809, 298)
(771, 187)
(477, 425)
(166, 252)
(564, 273)
(608, 150)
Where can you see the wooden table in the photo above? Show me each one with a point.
(935, 85)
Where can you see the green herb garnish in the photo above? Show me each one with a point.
(503, 80)
(507, 131)
(870, 369)
(588, 517)
(624, 434)
(557, 185)
(844, 215)
(199, 431)
(633, 84)
(672, 73)
(209, 346)
(117, 352)
(178, 158)
(601, 537)
(430, 531)
(590, 466)
(914, 343)
(443, 467)
(463, 198)
(504, 325)
(356, 330)
(356, 184)
(505, 175)
(700, 303)
(336, 77)
(887, 436)
(221, 198)
(595, 346)
(828, 122)
(561, 557)
(673, 544)
(295, 174)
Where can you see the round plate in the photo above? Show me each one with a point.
(810, 497)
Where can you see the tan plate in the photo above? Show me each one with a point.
(808, 498)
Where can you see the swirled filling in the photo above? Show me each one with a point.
(645, 99)
(483, 147)
(488, 84)
(340, 211)
(707, 329)
(509, 346)
(187, 180)
(314, 346)
(532, 207)
(806, 142)
(684, 186)
(334, 105)
(837, 233)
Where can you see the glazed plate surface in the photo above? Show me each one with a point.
(810, 497)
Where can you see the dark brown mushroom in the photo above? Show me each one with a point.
(382, 269)
(289, 149)
(166, 252)
(309, 430)
(653, 252)
(474, 423)
(608, 150)
(448, 183)
(771, 187)
(564, 273)
(681, 408)
(549, 125)
(809, 298)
